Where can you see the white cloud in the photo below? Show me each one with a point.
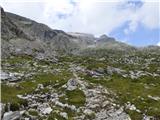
(158, 43)
(92, 17)
(150, 14)
(89, 16)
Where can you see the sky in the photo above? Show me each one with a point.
(135, 22)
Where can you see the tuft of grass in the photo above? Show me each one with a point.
(54, 116)
(76, 97)
(33, 112)
(134, 115)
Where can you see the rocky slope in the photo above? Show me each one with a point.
(48, 74)
(29, 37)
(25, 36)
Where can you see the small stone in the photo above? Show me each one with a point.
(88, 112)
(154, 98)
(47, 110)
(64, 115)
(40, 86)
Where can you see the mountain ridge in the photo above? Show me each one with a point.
(32, 38)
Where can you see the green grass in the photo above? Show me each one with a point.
(75, 97)
(134, 115)
(9, 94)
(17, 59)
(54, 116)
(125, 88)
(130, 90)
(33, 112)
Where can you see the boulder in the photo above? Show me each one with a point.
(156, 98)
(40, 86)
(64, 115)
(2, 109)
(93, 73)
(100, 70)
(4, 75)
(88, 112)
(12, 115)
(47, 110)
(72, 84)
(111, 70)
(12, 77)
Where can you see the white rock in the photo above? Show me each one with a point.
(154, 98)
(4, 75)
(88, 111)
(59, 104)
(131, 106)
(47, 110)
(64, 86)
(40, 86)
(72, 84)
(148, 117)
(64, 115)
(26, 118)
(11, 115)
(72, 107)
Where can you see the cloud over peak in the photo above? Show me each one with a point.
(90, 16)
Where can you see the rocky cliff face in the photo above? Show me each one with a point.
(25, 36)
(9, 29)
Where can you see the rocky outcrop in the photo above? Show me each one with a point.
(24, 36)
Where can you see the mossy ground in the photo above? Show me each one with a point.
(75, 97)
(135, 91)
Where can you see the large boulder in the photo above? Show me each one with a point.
(72, 84)
(12, 115)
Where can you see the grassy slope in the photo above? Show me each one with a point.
(126, 89)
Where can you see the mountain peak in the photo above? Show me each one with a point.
(103, 36)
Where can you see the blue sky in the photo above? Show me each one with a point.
(142, 36)
(136, 22)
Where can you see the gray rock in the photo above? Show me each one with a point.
(100, 70)
(12, 115)
(112, 70)
(4, 75)
(12, 77)
(88, 112)
(93, 73)
(64, 115)
(156, 98)
(72, 84)
(2, 109)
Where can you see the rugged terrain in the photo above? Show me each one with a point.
(53, 75)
